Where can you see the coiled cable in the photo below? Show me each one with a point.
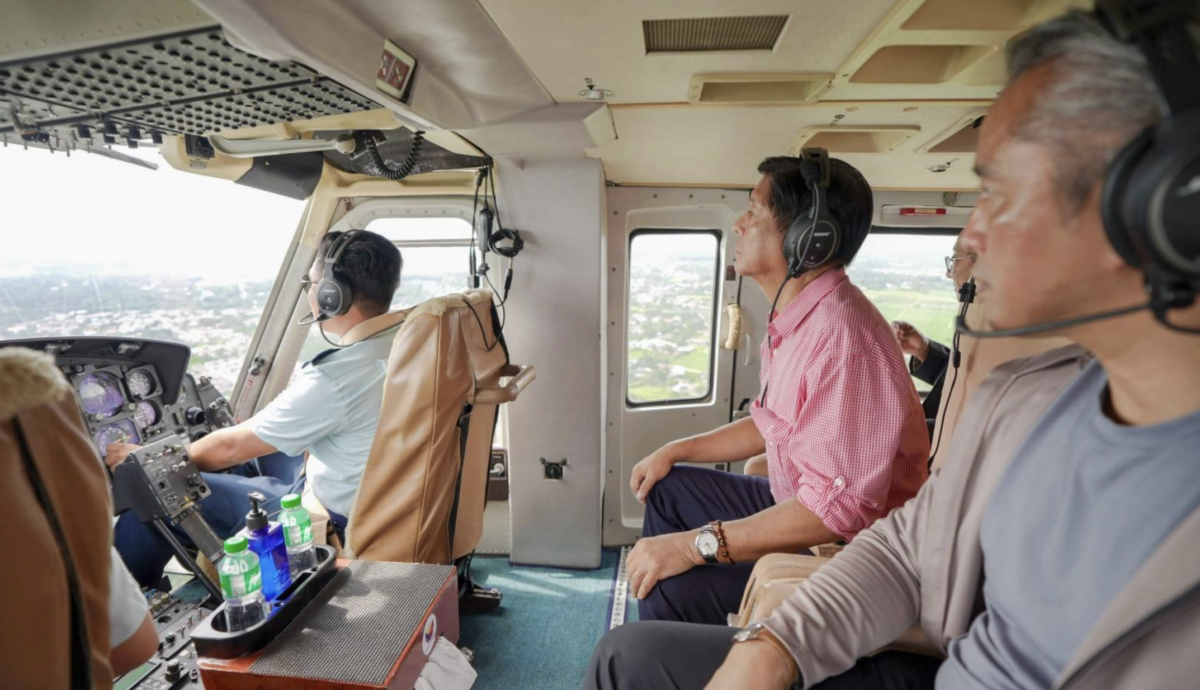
(382, 169)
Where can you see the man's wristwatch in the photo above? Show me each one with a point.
(758, 631)
(708, 544)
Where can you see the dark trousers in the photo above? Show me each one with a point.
(681, 656)
(686, 499)
(146, 553)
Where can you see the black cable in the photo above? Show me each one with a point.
(482, 332)
(406, 167)
(967, 295)
(762, 400)
(321, 327)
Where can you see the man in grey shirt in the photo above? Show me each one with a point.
(1035, 528)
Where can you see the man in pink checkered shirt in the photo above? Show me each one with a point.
(838, 418)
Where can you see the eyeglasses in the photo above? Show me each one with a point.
(306, 282)
(951, 259)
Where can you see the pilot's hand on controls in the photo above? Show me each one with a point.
(116, 452)
(651, 469)
(911, 341)
(657, 558)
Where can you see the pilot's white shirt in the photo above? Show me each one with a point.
(332, 411)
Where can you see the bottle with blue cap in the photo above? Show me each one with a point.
(241, 583)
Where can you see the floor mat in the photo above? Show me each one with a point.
(543, 634)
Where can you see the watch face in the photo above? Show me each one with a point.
(707, 543)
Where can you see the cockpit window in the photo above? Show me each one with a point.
(92, 246)
(905, 276)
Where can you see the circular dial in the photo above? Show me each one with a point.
(140, 383)
(118, 432)
(100, 394)
(145, 414)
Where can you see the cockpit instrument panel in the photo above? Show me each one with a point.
(135, 391)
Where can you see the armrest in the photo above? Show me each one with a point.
(522, 376)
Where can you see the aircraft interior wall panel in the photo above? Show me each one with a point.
(553, 323)
(632, 432)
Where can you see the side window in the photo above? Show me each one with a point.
(905, 276)
(672, 315)
(436, 254)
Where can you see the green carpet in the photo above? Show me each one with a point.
(543, 634)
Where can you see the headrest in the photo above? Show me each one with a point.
(439, 305)
(30, 379)
(373, 326)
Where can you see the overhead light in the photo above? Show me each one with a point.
(594, 94)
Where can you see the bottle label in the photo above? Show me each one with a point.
(297, 528)
(246, 580)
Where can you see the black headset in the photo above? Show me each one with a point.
(334, 295)
(813, 239)
(1151, 197)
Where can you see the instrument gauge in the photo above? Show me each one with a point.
(145, 414)
(140, 383)
(100, 394)
(117, 432)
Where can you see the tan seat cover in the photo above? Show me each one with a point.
(405, 503)
(35, 644)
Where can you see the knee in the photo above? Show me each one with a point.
(622, 655)
(664, 491)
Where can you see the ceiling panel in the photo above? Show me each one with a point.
(689, 145)
(566, 41)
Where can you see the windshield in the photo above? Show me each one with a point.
(93, 246)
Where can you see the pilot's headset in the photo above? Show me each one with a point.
(334, 295)
(1151, 197)
(813, 239)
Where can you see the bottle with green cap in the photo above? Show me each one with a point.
(241, 582)
(297, 534)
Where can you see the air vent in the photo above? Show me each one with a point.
(712, 34)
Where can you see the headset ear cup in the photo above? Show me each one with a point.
(333, 298)
(1114, 211)
(793, 245)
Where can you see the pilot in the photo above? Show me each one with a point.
(1056, 547)
(838, 418)
(330, 412)
(930, 359)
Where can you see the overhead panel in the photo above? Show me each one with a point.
(735, 89)
(712, 34)
(939, 49)
(851, 139)
(133, 92)
(961, 137)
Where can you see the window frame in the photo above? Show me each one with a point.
(718, 235)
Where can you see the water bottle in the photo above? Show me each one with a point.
(241, 582)
(298, 534)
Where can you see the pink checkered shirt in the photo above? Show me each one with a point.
(843, 424)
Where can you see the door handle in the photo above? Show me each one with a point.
(732, 340)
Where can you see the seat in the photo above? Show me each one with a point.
(424, 488)
(776, 576)
(52, 487)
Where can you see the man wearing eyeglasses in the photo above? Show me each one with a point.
(329, 412)
(929, 359)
